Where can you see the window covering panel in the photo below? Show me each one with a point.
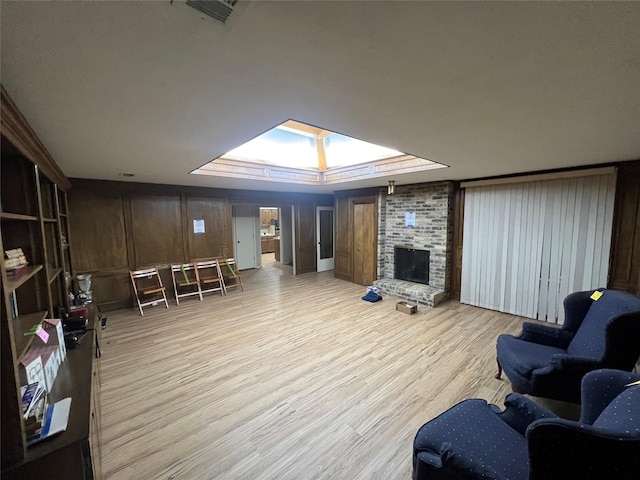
(528, 245)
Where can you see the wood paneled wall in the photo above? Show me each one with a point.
(458, 230)
(118, 226)
(215, 213)
(155, 236)
(624, 264)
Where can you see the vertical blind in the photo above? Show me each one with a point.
(527, 245)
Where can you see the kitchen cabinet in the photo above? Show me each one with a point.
(268, 216)
(267, 244)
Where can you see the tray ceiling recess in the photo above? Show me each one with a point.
(295, 152)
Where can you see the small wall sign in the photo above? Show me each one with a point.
(198, 225)
(410, 219)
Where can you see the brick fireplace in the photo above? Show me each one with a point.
(418, 217)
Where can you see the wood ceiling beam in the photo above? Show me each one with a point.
(310, 129)
(322, 155)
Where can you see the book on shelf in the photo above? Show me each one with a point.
(15, 271)
(13, 304)
(14, 258)
(15, 262)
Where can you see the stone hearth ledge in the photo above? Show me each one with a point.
(413, 292)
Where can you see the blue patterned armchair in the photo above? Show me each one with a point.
(475, 440)
(550, 362)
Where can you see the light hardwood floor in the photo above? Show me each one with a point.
(294, 378)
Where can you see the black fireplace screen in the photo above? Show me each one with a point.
(411, 265)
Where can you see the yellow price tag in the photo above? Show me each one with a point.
(595, 296)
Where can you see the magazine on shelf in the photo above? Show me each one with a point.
(55, 420)
(32, 395)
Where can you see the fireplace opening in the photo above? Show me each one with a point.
(411, 264)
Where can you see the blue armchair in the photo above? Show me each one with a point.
(550, 362)
(474, 439)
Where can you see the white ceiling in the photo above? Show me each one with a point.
(158, 89)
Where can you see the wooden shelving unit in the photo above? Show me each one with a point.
(33, 217)
(21, 325)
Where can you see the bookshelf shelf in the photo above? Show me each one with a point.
(15, 282)
(17, 216)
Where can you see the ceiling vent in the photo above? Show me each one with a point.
(218, 9)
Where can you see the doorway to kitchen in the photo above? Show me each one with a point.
(276, 235)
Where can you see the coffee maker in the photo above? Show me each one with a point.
(84, 296)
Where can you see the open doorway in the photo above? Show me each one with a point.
(264, 236)
(276, 236)
(269, 231)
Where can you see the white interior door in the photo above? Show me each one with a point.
(325, 237)
(245, 236)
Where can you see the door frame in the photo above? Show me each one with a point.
(293, 237)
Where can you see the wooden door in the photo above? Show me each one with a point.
(305, 237)
(344, 238)
(364, 243)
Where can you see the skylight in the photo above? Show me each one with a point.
(287, 145)
(300, 153)
(278, 147)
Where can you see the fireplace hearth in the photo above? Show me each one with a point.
(427, 240)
